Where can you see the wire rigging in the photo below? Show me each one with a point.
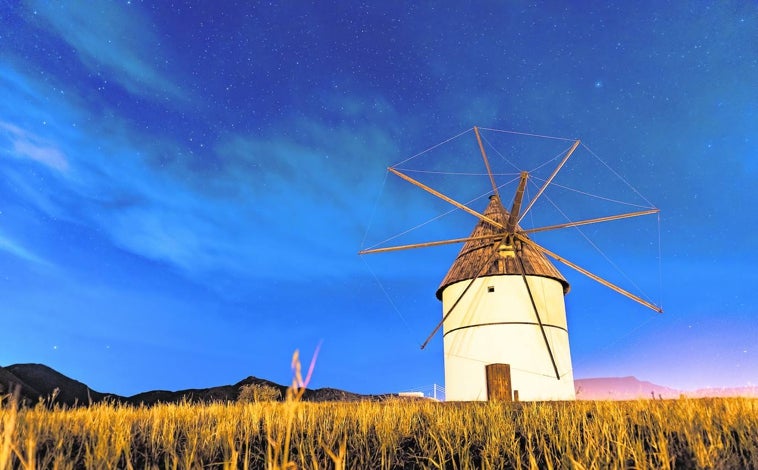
(432, 147)
(597, 196)
(503, 157)
(526, 134)
(618, 176)
(629, 333)
(444, 214)
(556, 157)
(660, 264)
(373, 211)
(452, 173)
(389, 298)
(597, 248)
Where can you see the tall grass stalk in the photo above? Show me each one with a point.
(685, 433)
(9, 406)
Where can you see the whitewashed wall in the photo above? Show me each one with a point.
(518, 343)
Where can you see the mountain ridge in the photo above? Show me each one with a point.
(36, 382)
(631, 388)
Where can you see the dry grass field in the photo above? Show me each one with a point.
(703, 433)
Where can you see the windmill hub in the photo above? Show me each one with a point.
(506, 250)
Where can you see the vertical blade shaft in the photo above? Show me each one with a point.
(486, 161)
(537, 314)
(513, 218)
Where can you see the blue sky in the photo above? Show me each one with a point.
(184, 188)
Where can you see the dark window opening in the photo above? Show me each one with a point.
(490, 288)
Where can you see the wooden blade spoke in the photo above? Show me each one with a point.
(513, 217)
(592, 221)
(447, 199)
(457, 301)
(520, 264)
(428, 244)
(550, 179)
(590, 275)
(486, 162)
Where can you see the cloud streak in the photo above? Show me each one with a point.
(112, 38)
(263, 214)
(25, 144)
(250, 207)
(16, 249)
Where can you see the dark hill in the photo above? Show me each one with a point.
(9, 383)
(195, 395)
(231, 393)
(39, 381)
(333, 394)
(42, 382)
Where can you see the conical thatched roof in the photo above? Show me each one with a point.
(475, 254)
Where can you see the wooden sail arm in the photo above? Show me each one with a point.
(520, 264)
(516, 208)
(550, 179)
(591, 221)
(428, 244)
(482, 270)
(447, 199)
(486, 162)
(589, 274)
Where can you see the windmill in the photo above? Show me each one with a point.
(504, 317)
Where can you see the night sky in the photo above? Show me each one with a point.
(185, 186)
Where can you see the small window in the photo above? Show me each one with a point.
(490, 288)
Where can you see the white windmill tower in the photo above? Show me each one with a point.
(504, 318)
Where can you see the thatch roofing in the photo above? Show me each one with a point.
(475, 253)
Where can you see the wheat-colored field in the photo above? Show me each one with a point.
(702, 433)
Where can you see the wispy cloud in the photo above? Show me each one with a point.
(111, 37)
(271, 207)
(16, 249)
(25, 144)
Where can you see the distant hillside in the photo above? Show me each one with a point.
(231, 393)
(621, 388)
(751, 392)
(630, 388)
(9, 383)
(36, 381)
(39, 381)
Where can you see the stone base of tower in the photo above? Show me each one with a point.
(495, 323)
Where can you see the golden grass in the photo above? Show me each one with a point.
(685, 433)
